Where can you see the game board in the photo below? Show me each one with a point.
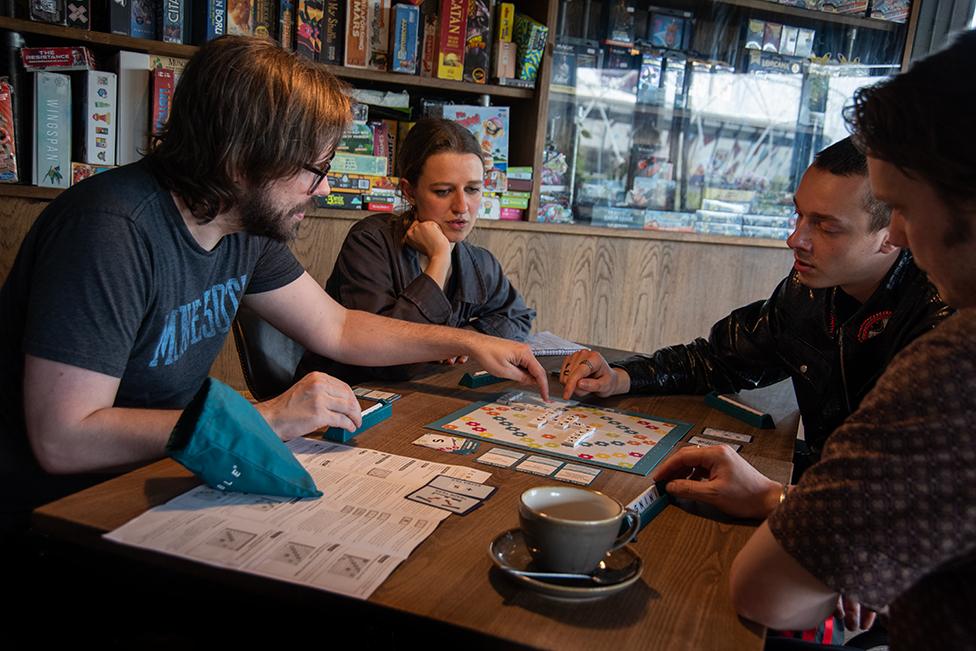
(598, 436)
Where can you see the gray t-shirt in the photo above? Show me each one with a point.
(110, 279)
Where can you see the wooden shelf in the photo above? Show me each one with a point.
(46, 194)
(812, 14)
(186, 51)
(97, 38)
(28, 192)
(414, 81)
(581, 229)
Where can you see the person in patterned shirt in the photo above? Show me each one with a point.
(887, 518)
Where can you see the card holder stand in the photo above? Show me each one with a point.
(648, 504)
(479, 379)
(735, 409)
(376, 414)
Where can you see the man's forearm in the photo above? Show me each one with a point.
(371, 340)
(107, 440)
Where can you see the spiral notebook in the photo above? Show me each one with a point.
(545, 344)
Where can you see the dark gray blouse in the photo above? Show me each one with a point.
(375, 272)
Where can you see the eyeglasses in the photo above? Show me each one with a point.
(320, 174)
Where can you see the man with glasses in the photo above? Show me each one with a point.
(124, 290)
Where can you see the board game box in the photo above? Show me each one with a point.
(598, 436)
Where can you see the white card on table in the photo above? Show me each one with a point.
(376, 394)
(440, 442)
(577, 474)
(462, 486)
(725, 434)
(537, 465)
(500, 457)
(442, 499)
(697, 440)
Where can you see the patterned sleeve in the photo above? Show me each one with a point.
(894, 497)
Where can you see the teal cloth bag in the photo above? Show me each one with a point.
(222, 439)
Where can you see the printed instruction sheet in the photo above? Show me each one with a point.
(347, 541)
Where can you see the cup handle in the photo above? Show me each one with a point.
(630, 533)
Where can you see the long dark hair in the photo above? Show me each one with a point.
(245, 109)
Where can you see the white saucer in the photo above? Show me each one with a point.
(509, 552)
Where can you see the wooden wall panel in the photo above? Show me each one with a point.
(634, 294)
(622, 292)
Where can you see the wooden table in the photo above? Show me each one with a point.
(681, 602)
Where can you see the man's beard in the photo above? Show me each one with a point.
(259, 216)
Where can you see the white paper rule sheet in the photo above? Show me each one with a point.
(347, 541)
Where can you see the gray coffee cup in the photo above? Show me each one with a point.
(570, 529)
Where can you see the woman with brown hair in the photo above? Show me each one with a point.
(417, 266)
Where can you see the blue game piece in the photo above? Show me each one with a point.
(372, 415)
(479, 379)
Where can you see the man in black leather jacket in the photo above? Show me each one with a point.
(850, 304)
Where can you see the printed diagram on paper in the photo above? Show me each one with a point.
(347, 541)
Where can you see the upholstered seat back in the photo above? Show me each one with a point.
(268, 357)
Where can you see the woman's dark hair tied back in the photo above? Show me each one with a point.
(431, 136)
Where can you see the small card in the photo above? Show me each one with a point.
(697, 440)
(445, 500)
(649, 503)
(725, 434)
(375, 407)
(376, 394)
(500, 457)
(577, 474)
(443, 443)
(462, 486)
(537, 465)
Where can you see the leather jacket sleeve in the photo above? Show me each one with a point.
(740, 353)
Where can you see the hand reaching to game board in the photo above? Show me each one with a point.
(585, 372)
(508, 359)
(730, 484)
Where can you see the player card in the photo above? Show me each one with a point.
(376, 406)
(577, 474)
(536, 465)
(697, 440)
(452, 444)
(500, 457)
(462, 487)
(376, 394)
(440, 442)
(725, 434)
(446, 500)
